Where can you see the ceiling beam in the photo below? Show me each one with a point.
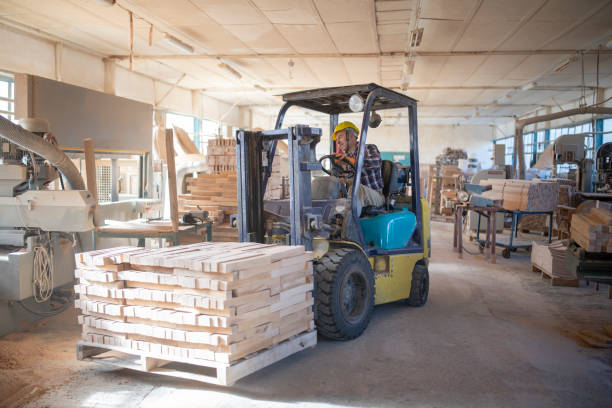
(557, 88)
(370, 55)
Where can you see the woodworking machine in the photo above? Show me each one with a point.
(571, 149)
(36, 223)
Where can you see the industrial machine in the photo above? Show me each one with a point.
(571, 149)
(603, 166)
(36, 244)
(363, 256)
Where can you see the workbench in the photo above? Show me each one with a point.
(511, 245)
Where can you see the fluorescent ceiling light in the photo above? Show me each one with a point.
(564, 64)
(528, 86)
(175, 42)
(229, 69)
(107, 2)
(416, 36)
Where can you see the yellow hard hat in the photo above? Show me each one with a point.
(342, 126)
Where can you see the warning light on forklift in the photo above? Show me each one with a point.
(356, 103)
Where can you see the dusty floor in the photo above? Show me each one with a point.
(489, 336)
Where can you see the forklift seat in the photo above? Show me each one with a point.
(390, 176)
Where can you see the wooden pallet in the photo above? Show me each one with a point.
(555, 280)
(194, 369)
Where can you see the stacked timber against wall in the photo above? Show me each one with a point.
(217, 194)
(442, 188)
(593, 230)
(449, 188)
(278, 183)
(221, 155)
(523, 195)
(210, 304)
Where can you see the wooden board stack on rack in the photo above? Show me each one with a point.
(593, 230)
(434, 187)
(233, 307)
(523, 195)
(217, 194)
(221, 154)
(449, 188)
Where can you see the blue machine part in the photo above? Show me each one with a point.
(389, 231)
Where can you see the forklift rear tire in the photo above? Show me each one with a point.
(419, 287)
(345, 294)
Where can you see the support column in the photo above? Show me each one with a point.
(109, 76)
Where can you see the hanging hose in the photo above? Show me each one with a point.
(30, 142)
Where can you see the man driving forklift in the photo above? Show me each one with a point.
(370, 194)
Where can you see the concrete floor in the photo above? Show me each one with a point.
(489, 336)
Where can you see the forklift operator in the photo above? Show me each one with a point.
(370, 191)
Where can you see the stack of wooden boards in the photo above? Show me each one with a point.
(593, 230)
(217, 194)
(278, 183)
(207, 304)
(523, 195)
(442, 188)
(221, 155)
(549, 259)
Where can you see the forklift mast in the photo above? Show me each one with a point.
(254, 154)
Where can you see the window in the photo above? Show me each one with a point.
(607, 127)
(7, 99)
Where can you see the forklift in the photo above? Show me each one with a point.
(362, 256)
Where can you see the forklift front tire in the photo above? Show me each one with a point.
(345, 294)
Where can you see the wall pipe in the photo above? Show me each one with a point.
(29, 141)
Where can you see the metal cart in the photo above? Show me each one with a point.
(513, 243)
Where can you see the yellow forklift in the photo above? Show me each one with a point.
(363, 256)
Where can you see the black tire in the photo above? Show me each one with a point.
(506, 253)
(419, 287)
(345, 294)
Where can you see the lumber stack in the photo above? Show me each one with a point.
(217, 194)
(208, 303)
(221, 155)
(278, 183)
(434, 186)
(550, 260)
(593, 230)
(523, 195)
(449, 187)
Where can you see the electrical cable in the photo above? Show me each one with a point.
(42, 278)
(50, 313)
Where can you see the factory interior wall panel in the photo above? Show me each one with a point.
(29, 54)
(476, 140)
(75, 113)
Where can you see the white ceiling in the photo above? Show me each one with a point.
(341, 42)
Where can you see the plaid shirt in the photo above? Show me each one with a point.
(371, 174)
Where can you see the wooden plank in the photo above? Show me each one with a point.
(90, 168)
(172, 189)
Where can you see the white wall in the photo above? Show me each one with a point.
(476, 140)
(31, 54)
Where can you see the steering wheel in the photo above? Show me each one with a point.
(341, 166)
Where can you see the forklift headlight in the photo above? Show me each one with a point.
(356, 103)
